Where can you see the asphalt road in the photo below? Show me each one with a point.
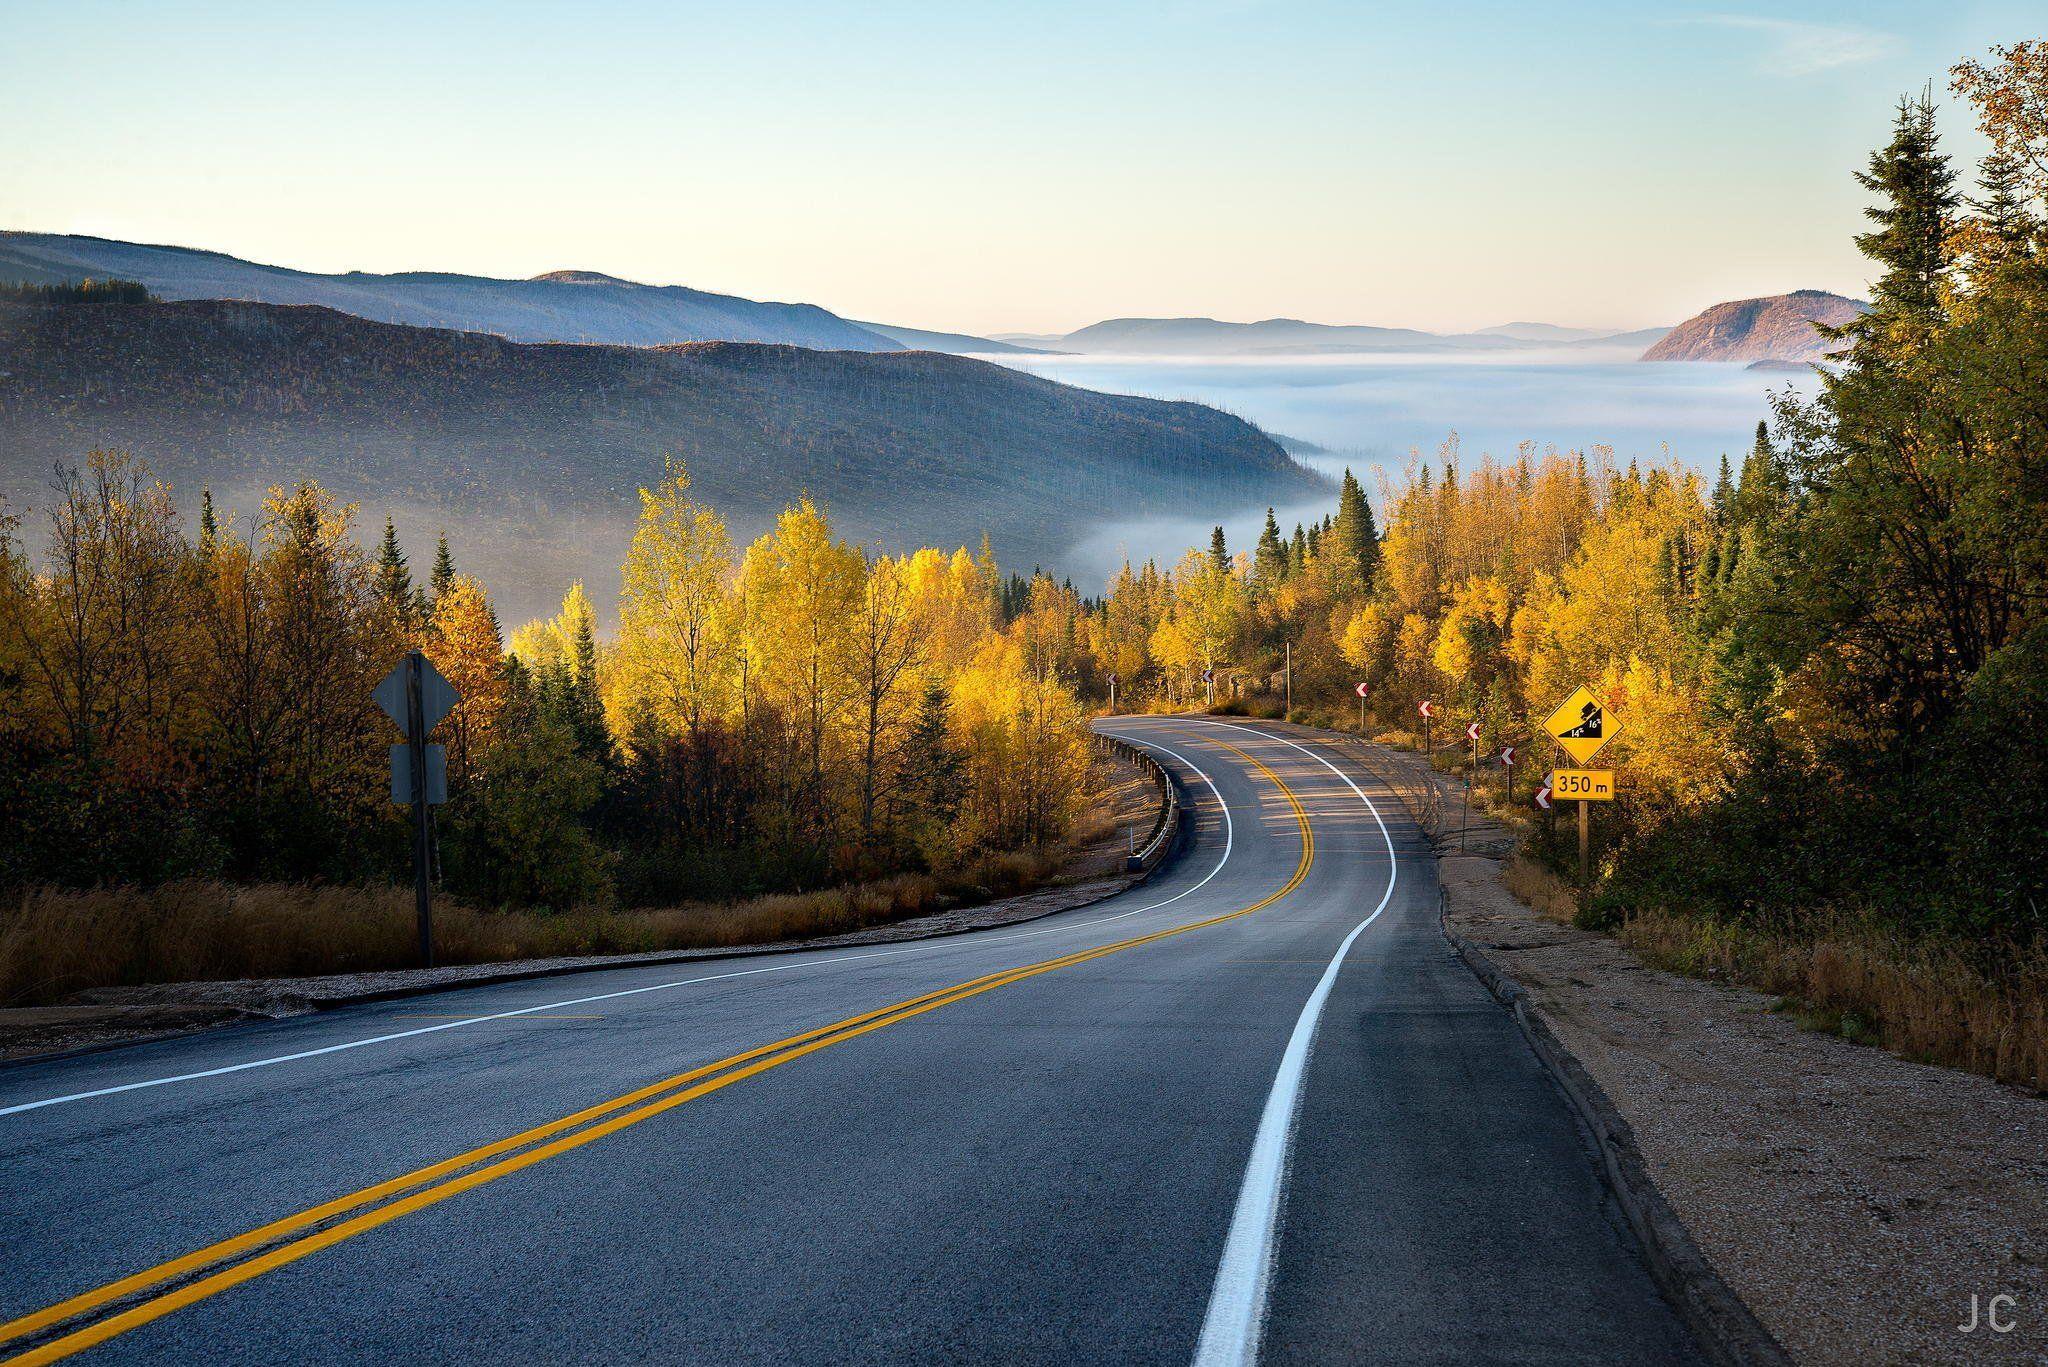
(1254, 1108)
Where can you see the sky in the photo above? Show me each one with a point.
(1029, 166)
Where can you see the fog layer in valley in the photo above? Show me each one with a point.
(1371, 412)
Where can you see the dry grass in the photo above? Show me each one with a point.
(1541, 889)
(1934, 999)
(54, 942)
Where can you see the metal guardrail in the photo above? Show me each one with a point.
(1166, 825)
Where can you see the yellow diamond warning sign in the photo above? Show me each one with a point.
(1582, 725)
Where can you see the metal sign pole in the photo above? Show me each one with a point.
(422, 836)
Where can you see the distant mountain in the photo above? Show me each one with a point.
(560, 306)
(1208, 336)
(1779, 327)
(529, 454)
(1291, 336)
(1623, 341)
(953, 343)
(1546, 332)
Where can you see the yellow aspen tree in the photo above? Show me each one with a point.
(887, 643)
(804, 590)
(464, 645)
(677, 647)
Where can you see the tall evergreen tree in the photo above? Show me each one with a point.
(1765, 482)
(1219, 553)
(2004, 223)
(444, 569)
(1269, 558)
(1916, 206)
(1724, 492)
(394, 576)
(209, 527)
(931, 773)
(1357, 538)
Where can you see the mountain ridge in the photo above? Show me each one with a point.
(1771, 327)
(1203, 336)
(557, 306)
(531, 452)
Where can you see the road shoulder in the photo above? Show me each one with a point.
(1854, 1200)
(1861, 1205)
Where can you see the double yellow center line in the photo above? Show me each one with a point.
(211, 1270)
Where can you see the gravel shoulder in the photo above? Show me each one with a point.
(1854, 1200)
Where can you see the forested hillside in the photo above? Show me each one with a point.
(531, 453)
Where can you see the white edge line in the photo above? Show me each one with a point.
(1235, 1320)
(928, 946)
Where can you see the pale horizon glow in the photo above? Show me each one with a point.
(1022, 169)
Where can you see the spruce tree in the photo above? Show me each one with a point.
(1269, 560)
(444, 569)
(209, 528)
(1219, 553)
(931, 774)
(2004, 225)
(1724, 492)
(586, 704)
(1916, 190)
(1357, 538)
(394, 576)
(1765, 483)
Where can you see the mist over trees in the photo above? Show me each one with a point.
(1831, 663)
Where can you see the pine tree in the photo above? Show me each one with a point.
(586, 704)
(1357, 539)
(1917, 197)
(444, 569)
(209, 528)
(931, 774)
(394, 577)
(1269, 559)
(1765, 483)
(2004, 224)
(1297, 551)
(1219, 553)
(1724, 492)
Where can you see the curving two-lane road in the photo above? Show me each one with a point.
(1099, 1137)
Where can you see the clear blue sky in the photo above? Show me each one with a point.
(1032, 165)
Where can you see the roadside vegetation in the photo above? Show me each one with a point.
(1830, 660)
(57, 941)
(793, 736)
